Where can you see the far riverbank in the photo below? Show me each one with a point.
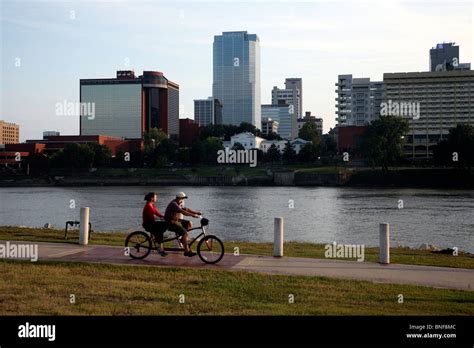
(245, 176)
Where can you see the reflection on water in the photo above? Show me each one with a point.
(321, 214)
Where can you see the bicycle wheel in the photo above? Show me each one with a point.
(138, 244)
(210, 249)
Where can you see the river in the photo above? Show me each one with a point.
(444, 218)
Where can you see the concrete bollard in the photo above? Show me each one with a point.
(278, 238)
(84, 226)
(384, 237)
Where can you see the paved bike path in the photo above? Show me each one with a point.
(442, 277)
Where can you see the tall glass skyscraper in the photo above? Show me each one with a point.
(236, 77)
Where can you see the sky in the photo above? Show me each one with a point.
(47, 46)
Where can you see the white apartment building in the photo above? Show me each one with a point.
(358, 100)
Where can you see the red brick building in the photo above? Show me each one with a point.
(188, 131)
(16, 154)
(348, 139)
(33, 149)
(115, 144)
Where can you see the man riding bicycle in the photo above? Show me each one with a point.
(176, 224)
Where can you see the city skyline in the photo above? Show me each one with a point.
(57, 44)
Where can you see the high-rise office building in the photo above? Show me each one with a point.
(127, 106)
(207, 111)
(445, 99)
(9, 133)
(296, 84)
(445, 57)
(290, 98)
(358, 100)
(282, 114)
(236, 77)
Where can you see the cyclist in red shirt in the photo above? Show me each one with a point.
(157, 228)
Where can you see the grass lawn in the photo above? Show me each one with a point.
(44, 288)
(323, 170)
(126, 172)
(172, 173)
(225, 170)
(217, 170)
(397, 255)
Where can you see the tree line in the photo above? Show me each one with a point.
(381, 145)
